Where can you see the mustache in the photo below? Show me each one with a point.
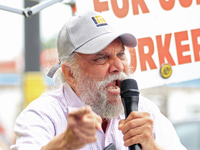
(115, 77)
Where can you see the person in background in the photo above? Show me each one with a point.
(86, 112)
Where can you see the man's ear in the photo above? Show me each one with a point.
(68, 74)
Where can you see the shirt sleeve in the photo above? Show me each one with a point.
(36, 126)
(164, 132)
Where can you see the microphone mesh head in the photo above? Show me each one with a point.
(129, 87)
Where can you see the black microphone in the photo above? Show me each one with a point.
(130, 97)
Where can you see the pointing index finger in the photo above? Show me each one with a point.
(81, 112)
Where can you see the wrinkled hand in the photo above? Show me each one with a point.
(81, 130)
(82, 125)
(138, 128)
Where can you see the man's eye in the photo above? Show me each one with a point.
(121, 55)
(100, 60)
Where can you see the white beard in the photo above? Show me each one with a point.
(94, 93)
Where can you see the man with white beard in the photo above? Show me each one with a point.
(86, 112)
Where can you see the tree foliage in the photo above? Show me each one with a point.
(50, 43)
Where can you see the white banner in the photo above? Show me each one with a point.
(168, 32)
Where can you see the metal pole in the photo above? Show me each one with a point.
(33, 78)
(11, 9)
(32, 40)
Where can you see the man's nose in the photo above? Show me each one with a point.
(116, 65)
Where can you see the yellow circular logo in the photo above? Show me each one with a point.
(166, 71)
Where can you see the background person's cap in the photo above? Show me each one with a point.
(87, 33)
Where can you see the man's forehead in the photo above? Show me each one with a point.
(107, 51)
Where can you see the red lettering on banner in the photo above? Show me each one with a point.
(100, 6)
(121, 13)
(167, 4)
(185, 3)
(179, 37)
(196, 47)
(142, 4)
(163, 50)
(146, 50)
(148, 56)
(133, 64)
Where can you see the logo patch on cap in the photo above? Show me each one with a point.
(99, 21)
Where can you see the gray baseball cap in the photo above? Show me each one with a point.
(87, 33)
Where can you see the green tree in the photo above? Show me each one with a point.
(50, 43)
